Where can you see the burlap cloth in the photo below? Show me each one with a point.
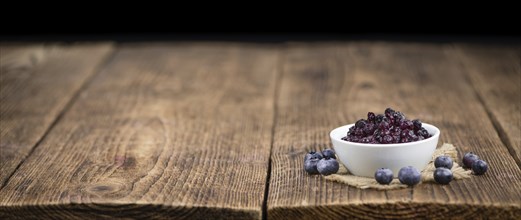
(343, 176)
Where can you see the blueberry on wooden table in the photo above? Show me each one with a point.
(310, 165)
(442, 175)
(327, 166)
(383, 176)
(329, 153)
(443, 161)
(310, 162)
(469, 159)
(312, 154)
(479, 167)
(409, 176)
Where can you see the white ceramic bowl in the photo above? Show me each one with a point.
(364, 159)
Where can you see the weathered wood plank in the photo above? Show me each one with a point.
(164, 131)
(328, 85)
(36, 83)
(495, 73)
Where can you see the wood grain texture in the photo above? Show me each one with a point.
(36, 83)
(329, 85)
(495, 73)
(164, 131)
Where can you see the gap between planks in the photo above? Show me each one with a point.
(106, 60)
(503, 136)
(276, 93)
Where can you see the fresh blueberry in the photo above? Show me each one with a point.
(469, 159)
(409, 176)
(383, 176)
(311, 166)
(479, 167)
(327, 166)
(443, 161)
(329, 153)
(313, 155)
(442, 175)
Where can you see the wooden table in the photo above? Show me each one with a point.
(219, 130)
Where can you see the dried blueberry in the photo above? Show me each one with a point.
(376, 128)
(406, 125)
(360, 123)
(379, 118)
(424, 133)
(399, 116)
(404, 133)
(396, 139)
(371, 116)
(389, 112)
(417, 124)
(388, 139)
(383, 125)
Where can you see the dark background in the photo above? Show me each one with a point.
(265, 37)
(265, 22)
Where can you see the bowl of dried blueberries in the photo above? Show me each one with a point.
(388, 140)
